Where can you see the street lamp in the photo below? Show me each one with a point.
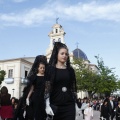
(13, 91)
(82, 76)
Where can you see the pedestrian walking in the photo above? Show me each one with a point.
(6, 109)
(118, 111)
(61, 90)
(37, 82)
(32, 105)
(88, 112)
(105, 110)
(84, 105)
(111, 104)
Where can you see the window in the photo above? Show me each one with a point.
(26, 73)
(56, 30)
(10, 73)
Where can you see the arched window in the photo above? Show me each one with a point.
(56, 30)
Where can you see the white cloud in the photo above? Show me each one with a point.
(30, 17)
(18, 1)
(84, 12)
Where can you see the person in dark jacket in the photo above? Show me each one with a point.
(105, 110)
(118, 111)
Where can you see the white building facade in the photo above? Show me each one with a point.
(16, 71)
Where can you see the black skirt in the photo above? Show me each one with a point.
(66, 112)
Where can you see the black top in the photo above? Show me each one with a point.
(5, 100)
(38, 85)
(105, 111)
(61, 93)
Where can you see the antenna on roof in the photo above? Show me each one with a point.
(57, 20)
(77, 44)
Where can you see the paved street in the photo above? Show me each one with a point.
(96, 116)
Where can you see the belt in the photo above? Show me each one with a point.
(64, 89)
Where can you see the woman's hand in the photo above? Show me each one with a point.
(48, 109)
(27, 101)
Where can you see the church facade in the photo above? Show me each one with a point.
(17, 69)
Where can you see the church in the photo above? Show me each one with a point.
(17, 69)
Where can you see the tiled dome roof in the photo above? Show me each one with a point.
(79, 54)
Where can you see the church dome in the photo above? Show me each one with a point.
(79, 54)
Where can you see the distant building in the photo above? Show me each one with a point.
(17, 69)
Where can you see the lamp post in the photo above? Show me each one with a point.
(82, 76)
(13, 91)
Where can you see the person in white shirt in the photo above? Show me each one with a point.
(88, 112)
(84, 105)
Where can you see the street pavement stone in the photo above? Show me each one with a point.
(96, 116)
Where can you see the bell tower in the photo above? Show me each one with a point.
(56, 35)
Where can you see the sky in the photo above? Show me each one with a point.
(94, 24)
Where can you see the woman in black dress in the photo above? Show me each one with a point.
(60, 88)
(36, 78)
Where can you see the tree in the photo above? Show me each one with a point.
(2, 75)
(86, 79)
(93, 82)
(108, 79)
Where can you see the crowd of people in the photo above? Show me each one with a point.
(51, 93)
(109, 108)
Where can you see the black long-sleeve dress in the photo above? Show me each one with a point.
(38, 98)
(61, 91)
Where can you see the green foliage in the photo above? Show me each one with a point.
(86, 79)
(2, 75)
(118, 84)
(108, 79)
(103, 81)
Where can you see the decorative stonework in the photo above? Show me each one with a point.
(56, 35)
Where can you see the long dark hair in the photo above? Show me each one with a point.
(40, 59)
(4, 90)
(53, 58)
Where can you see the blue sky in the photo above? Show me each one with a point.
(94, 24)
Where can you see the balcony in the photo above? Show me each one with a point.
(9, 80)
